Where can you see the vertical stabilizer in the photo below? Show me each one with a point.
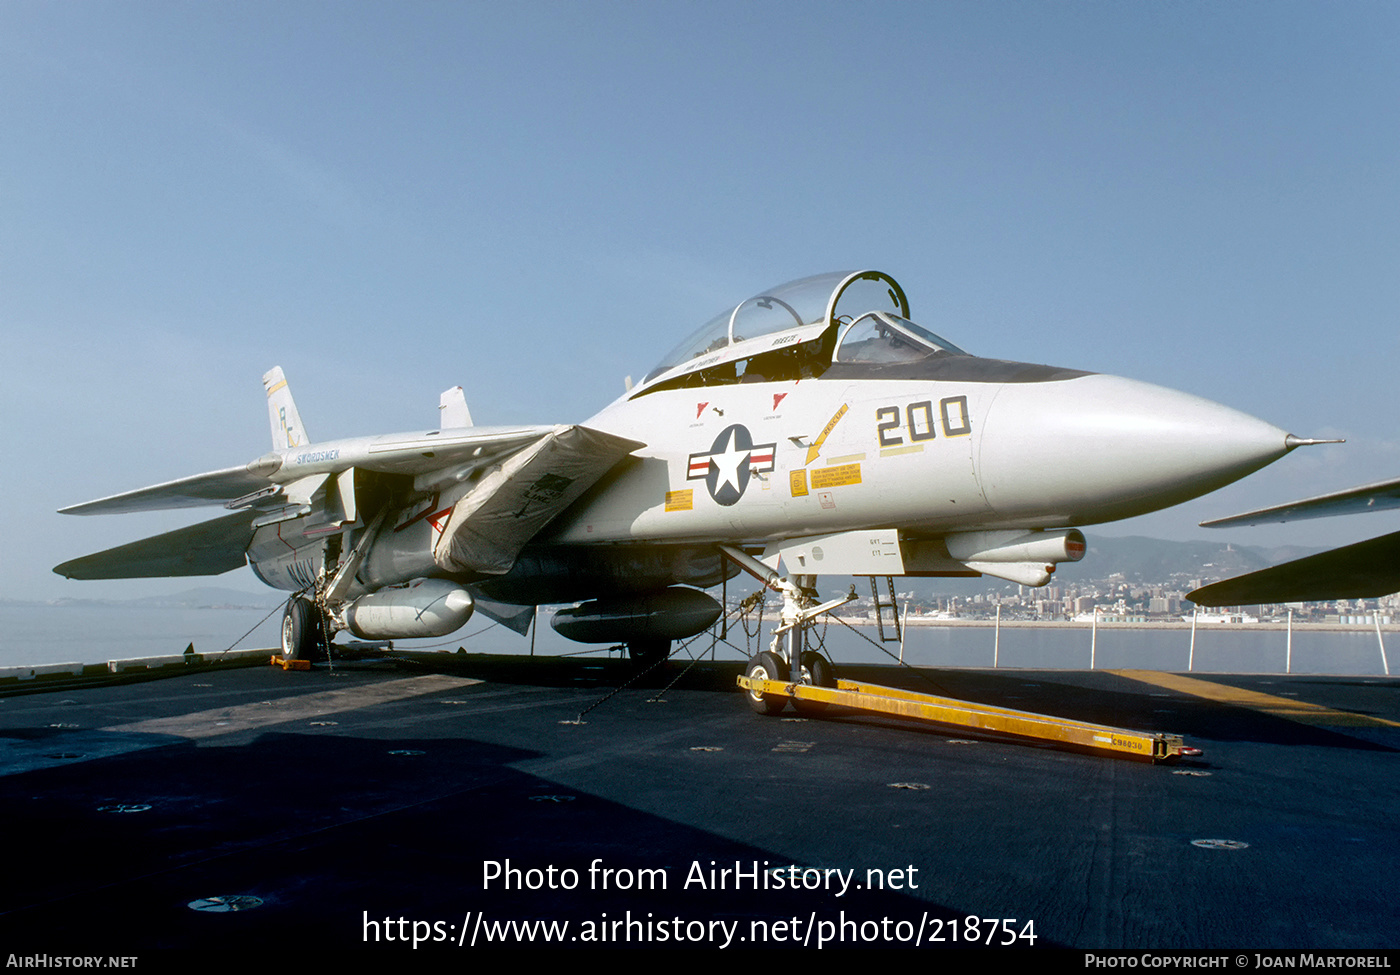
(452, 409)
(287, 430)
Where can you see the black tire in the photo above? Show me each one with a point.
(816, 670)
(301, 629)
(649, 652)
(766, 666)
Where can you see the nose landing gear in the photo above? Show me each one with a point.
(791, 662)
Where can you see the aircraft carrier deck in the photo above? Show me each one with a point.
(382, 803)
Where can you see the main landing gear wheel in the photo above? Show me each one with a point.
(816, 670)
(766, 666)
(301, 629)
(649, 651)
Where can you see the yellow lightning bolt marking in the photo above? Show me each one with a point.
(816, 448)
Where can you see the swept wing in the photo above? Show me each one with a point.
(537, 472)
(1369, 497)
(503, 485)
(1362, 571)
(198, 490)
(206, 549)
(404, 453)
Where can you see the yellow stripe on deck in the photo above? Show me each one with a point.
(1280, 707)
(245, 717)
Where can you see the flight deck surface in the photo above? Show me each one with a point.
(375, 804)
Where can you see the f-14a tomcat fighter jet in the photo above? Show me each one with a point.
(811, 429)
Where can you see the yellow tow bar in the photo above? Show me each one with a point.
(1153, 746)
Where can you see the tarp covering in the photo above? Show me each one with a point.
(508, 507)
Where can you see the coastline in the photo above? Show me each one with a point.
(921, 621)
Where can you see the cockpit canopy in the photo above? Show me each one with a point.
(879, 337)
(797, 330)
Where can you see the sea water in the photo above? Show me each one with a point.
(32, 633)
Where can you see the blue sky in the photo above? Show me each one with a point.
(535, 200)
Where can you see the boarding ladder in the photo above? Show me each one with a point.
(881, 606)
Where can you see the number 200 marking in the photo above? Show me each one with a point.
(918, 421)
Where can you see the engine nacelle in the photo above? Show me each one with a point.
(671, 614)
(424, 608)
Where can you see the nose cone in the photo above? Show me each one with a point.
(1098, 448)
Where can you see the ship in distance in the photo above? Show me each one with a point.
(812, 429)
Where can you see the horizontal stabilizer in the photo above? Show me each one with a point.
(1368, 497)
(1362, 571)
(206, 549)
(215, 487)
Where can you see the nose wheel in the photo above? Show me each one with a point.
(766, 666)
(816, 670)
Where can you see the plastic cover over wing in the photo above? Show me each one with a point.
(508, 507)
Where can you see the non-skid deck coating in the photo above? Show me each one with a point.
(355, 802)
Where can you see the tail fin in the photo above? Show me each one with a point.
(452, 409)
(287, 430)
